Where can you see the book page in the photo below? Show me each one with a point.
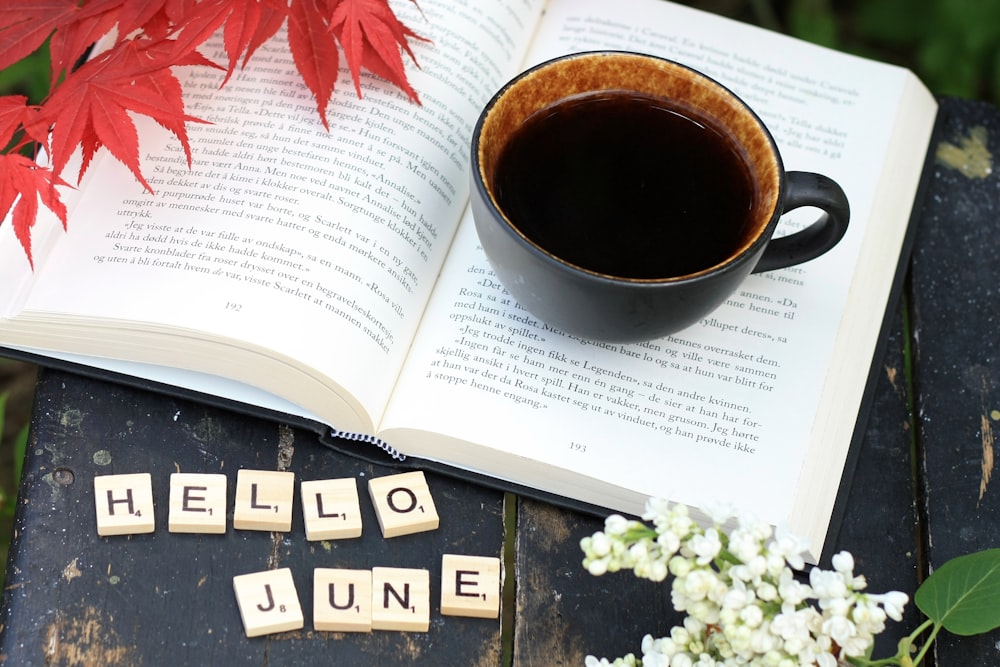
(308, 247)
(724, 411)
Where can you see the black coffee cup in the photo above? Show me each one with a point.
(623, 197)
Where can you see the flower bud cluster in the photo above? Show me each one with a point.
(737, 581)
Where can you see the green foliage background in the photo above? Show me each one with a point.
(952, 45)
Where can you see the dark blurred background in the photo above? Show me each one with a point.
(953, 45)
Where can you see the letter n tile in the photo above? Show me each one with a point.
(401, 599)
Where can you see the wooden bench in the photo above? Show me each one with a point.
(921, 494)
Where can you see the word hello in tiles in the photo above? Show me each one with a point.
(344, 600)
(264, 500)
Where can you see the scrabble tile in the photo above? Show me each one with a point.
(470, 586)
(268, 602)
(124, 504)
(331, 509)
(342, 600)
(197, 503)
(403, 504)
(401, 599)
(264, 500)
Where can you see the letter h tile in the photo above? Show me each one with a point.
(124, 504)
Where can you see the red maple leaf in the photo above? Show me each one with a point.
(26, 24)
(12, 115)
(272, 16)
(23, 181)
(314, 50)
(152, 17)
(247, 25)
(87, 24)
(91, 107)
(373, 37)
(246, 30)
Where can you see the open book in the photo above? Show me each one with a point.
(335, 278)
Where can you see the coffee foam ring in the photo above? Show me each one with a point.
(679, 86)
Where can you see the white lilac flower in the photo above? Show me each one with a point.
(600, 545)
(839, 629)
(618, 525)
(843, 562)
(790, 547)
(743, 545)
(626, 661)
(827, 585)
(752, 616)
(721, 513)
(893, 603)
(656, 507)
(679, 660)
(706, 546)
(669, 542)
(791, 590)
(744, 604)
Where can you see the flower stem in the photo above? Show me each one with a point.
(927, 644)
(902, 657)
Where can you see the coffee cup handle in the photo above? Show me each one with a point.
(808, 189)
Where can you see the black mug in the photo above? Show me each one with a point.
(622, 197)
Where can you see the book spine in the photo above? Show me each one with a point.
(370, 439)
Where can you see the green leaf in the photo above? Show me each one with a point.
(963, 595)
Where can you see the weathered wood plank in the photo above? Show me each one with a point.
(880, 523)
(75, 598)
(564, 613)
(956, 277)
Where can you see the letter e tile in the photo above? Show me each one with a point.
(331, 509)
(470, 586)
(264, 500)
(403, 504)
(401, 599)
(197, 503)
(268, 602)
(342, 600)
(124, 504)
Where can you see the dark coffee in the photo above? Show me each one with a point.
(625, 185)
